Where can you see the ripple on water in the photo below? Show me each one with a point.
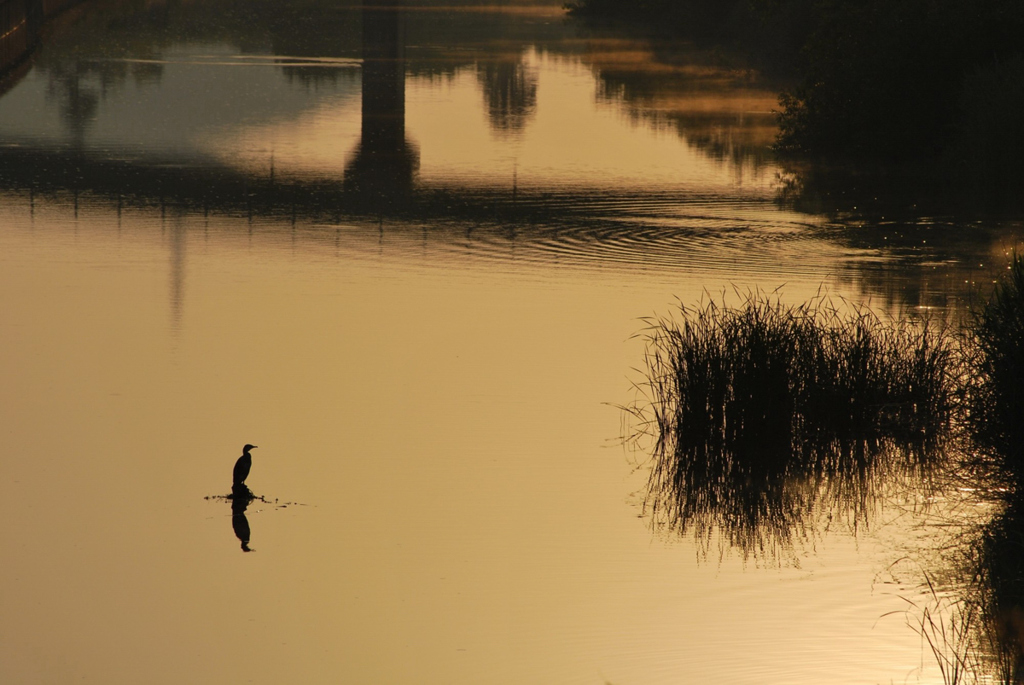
(654, 233)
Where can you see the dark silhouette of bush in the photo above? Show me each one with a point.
(694, 19)
(990, 139)
(879, 79)
(886, 78)
(997, 391)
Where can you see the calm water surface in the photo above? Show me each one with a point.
(405, 252)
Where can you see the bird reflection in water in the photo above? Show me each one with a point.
(241, 496)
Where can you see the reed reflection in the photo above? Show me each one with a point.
(769, 420)
(999, 593)
(993, 568)
(971, 614)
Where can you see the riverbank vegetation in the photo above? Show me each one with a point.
(740, 399)
(995, 410)
(878, 79)
(768, 419)
(763, 412)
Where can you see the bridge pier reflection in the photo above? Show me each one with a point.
(382, 170)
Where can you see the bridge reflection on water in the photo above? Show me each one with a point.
(382, 168)
(378, 177)
(702, 185)
(140, 153)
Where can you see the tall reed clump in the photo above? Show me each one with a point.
(763, 408)
(971, 617)
(996, 588)
(988, 609)
(996, 389)
(994, 412)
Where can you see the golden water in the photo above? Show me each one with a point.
(434, 397)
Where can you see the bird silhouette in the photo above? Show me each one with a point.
(242, 467)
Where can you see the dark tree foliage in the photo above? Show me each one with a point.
(997, 394)
(882, 79)
(694, 18)
(885, 78)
